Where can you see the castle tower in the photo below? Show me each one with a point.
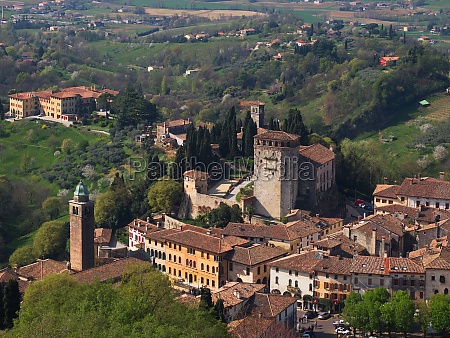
(81, 211)
(276, 155)
(257, 113)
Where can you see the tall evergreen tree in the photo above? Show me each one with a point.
(11, 302)
(294, 125)
(2, 307)
(206, 298)
(250, 130)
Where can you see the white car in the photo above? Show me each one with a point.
(342, 330)
(339, 322)
(323, 315)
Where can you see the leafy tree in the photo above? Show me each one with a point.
(351, 312)
(224, 214)
(388, 316)
(53, 207)
(132, 108)
(112, 208)
(423, 316)
(11, 302)
(67, 146)
(142, 305)
(164, 195)
(404, 311)
(440, 312)
(51, 238)
(23, 256)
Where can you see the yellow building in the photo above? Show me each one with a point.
(197, 258)
(60, 105)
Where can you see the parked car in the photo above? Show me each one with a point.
(309, 314)
(339, 322)
(342, 330)
(323, 315)
(359, 203)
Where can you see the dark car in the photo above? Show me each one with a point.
(309, 314)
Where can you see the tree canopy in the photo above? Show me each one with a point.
(164, 195)
(143, 305)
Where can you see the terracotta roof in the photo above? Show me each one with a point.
(105, 272)
(160, 235)
(42, 268)
(7, 274)
(328, 243)
(143, 226)
(291, 231)
(335, 265)
(251, 327)
(438, 261)
(276, 135)
(255, 254)
(244, 230)
(422, 214)
(317, 153)
(370, 265)
(234, 293)
(426, 187)
(304, 262)
(348, 246)
(202, 241)
(404, 265)
(194, 174)
(387, 222)
(270, 306)
(175, 123)
(102, 235)
(386, 190)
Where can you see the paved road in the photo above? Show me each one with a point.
(234, 192)
(323, 329)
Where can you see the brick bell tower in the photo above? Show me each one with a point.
(81, 211)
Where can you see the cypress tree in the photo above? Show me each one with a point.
(294, 125)
(2, 310)
(11, 302)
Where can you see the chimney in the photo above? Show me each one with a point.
(383, 241)
(347, 231)
(419, 176)
(442, 175)
(237, 294)
(148, 219)
(158, 224)
(260, 315)
(373, 242)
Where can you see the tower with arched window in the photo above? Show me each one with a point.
(81, 211)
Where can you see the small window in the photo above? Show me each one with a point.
(276, 280)
(290, 282)
(441, 279)
(248, 271)
(433, 277)
(437, 205)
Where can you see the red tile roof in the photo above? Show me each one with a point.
(269, 306)
(255, 254)
(102, 235)
(317, 153)
(276, 135)
(204, 242)
(42, 268)
(196, 174)
(234, 293)
(386, 190)
(426, 187)
(251, 327)
(106, 272)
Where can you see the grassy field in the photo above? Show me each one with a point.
(29, 142)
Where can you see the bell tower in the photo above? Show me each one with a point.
(81, 211)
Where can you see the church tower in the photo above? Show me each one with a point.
(81, 211)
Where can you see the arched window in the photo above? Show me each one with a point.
(296, 283)
(290, 282)
(276, 280)
(310, 287)
(187, 261)
(213, 269)
(442, 279)
(207, 268)
(194, 265)
(445, 291)
(164, 256)
(175, 258)
(202, 267)
(170, 257)
(179, 260)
